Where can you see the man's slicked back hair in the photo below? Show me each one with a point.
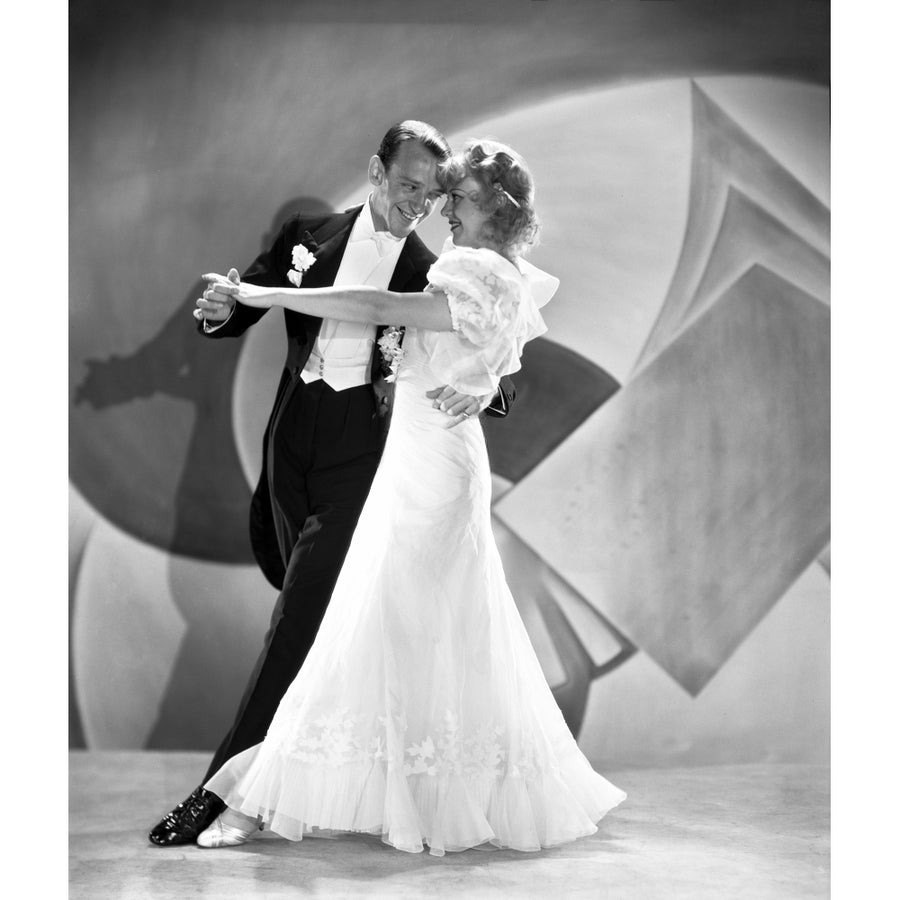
(412, 130)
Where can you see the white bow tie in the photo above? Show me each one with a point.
(385, 242)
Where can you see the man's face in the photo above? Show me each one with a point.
(407, 192)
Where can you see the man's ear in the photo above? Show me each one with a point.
(376, 171)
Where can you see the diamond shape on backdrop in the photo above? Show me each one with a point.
(683, 513)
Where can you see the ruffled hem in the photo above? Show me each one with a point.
(411, 811)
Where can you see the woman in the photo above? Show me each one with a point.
(421, 712)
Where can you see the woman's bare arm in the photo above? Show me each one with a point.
(425, 309)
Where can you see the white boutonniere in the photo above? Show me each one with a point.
(302, 258)
(389, 344)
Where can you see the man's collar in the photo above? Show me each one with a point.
(365, 226)
(366, 222)
(364, 230)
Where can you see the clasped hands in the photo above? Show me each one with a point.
(217, 302)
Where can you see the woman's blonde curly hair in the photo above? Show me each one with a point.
(507, 193)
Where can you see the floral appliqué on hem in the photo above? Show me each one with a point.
(340, 739)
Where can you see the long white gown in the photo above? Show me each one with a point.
(421, 712)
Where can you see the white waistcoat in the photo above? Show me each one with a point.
(342, 355)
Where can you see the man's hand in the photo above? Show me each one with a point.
(458, 406)
(216, 306)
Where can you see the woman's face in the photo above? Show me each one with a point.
(462, 212)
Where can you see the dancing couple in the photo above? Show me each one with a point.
(397, 692)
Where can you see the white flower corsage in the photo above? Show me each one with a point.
(389, 344)
(302, 258)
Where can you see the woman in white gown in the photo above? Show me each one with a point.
(421, 712)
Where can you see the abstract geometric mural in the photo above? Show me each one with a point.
(663, 481)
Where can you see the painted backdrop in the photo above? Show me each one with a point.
(662, 488)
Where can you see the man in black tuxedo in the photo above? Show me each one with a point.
(325, 433)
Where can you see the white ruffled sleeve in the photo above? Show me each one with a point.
(493, 315)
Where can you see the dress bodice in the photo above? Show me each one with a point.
(493, 312)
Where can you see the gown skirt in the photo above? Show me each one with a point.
(421, 713)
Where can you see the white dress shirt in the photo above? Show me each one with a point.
(342, 354)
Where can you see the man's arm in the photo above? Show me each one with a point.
(503, 400)
(232, 318)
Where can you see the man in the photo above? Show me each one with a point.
(325, 433)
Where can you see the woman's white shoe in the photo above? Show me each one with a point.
(221, 835)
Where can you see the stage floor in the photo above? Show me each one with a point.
(708, 833)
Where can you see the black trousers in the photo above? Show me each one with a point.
(323, 450)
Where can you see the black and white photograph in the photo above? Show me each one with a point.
(449, 449)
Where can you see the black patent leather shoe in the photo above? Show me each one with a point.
(187, 820)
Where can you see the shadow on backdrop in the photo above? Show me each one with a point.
(212, 498)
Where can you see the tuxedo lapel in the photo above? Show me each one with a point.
(403, 271)
(331, 238)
